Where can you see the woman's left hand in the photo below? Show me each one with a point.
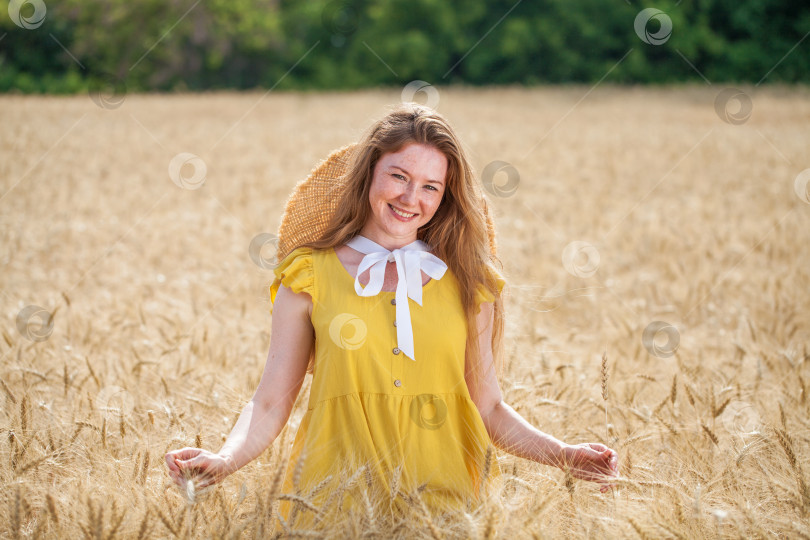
(591, 461)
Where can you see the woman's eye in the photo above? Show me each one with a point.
(398, 176)
(432, 187)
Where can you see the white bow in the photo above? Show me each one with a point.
(411, 261)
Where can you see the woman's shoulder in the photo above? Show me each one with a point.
(296, 271)
(302, 254)
(492, 286)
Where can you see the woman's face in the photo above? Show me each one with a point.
(406, 190)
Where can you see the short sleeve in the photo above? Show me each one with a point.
(483, 294)
(294, 272)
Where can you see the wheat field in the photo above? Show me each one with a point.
(650, 227)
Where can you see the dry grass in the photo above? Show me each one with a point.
(161, 322)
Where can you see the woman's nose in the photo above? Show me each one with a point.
(408, 195)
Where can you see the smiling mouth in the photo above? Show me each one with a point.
(400, 213)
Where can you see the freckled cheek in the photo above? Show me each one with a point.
(384, 195)
(429, 208)
(380, 197)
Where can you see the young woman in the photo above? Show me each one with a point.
(396, 310)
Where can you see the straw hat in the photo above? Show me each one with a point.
(315, 199)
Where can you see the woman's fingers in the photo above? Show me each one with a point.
(599, 447)
(185, 463)
(611, 458)
(190, 463)
(173, 457)
(608, 456)
(613, 461)
(186, 453)
(200, 467)
(169, 457)
(595, 462)
(606, 460)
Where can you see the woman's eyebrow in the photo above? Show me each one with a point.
(406, 172)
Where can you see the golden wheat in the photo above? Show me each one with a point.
(150, 289)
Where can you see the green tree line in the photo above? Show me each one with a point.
(164, 45)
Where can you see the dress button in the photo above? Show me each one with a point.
(397, 383)
(396, 350)
(395, 323)
(393, 301)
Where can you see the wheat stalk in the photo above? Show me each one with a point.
(24, 408)
(605, 390)
(296, 477)
(640, 530)
(51, 505)
(673, 392)
(489, 527)
(166, 522)
(710, 433)
(16, 514)
(717, 411)
(415, 500)
(115, 521)
(144, 468)
(299, 500)
(368, 518)
(786, 442)
(8, 391)
(689, 395)
(299, 466)
(276, 483)
(319, 487)
(145, 525)
(394, 491)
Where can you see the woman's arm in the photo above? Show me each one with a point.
(264, 416)
(512, 433)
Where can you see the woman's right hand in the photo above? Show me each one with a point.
(594, 462)
(204, 467)
(265, 415)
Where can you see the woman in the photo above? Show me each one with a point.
(378, 308)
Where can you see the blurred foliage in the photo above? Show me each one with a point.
(165, 45)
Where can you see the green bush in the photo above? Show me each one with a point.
(344, 44)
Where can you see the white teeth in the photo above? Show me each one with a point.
(403, 214)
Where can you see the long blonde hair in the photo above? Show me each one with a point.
(457, 233)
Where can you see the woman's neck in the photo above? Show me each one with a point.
(388, 242)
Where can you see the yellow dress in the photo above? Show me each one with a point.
(413, 420)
